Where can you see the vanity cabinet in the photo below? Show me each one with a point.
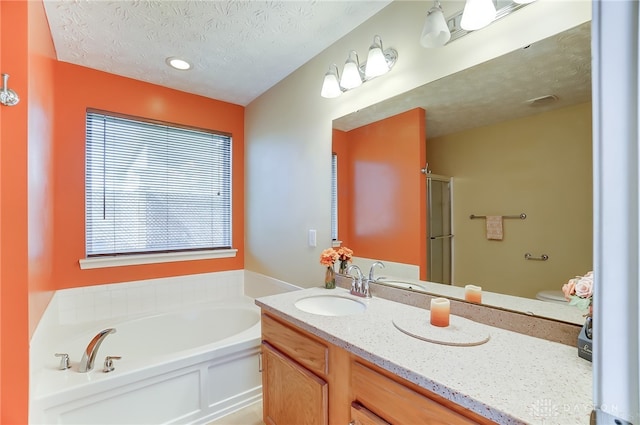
(309, 381)
(295, 375)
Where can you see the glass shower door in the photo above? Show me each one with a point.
(439, 245)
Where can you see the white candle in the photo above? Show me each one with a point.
(440, 312)
(473, 294)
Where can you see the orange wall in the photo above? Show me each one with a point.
(41, 119)
(340, 146)
(78, 88)
(14, 328)
(385, 189)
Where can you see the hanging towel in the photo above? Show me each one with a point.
(494, 227)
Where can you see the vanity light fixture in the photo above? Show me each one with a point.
(477, 14)
(351, 77)
(331, 86)
(354, 74)
(376, 61)
(178, 63)
(436, 32)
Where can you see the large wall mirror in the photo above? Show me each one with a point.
(511, 138)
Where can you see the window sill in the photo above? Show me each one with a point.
(132, 260)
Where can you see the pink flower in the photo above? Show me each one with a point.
(584, 287)
(569, 289)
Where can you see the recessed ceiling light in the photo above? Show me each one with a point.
(178, 63)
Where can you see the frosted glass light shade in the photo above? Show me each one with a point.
(330, 86)
(350, 75)
(523, 1)
(477, 14)
(435, 32)
(376, 63)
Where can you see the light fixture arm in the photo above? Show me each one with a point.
(7, 96)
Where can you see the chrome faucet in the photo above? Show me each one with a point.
(371, 270)
(89, 355)
(359, 286)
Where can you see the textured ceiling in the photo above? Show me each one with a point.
(238, 48)
(497, 90)
(241, 48)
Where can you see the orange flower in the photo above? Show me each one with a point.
(328, 257)
(344, 254)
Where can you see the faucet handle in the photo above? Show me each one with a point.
(64, 361)
(108, 363)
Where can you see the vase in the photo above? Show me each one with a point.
(585, 343)
(343, 267)
(330, 278)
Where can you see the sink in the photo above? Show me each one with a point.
(330, 305)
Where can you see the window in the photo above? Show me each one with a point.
(153, 187)
(334, 197)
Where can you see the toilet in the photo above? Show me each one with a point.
(552, 296)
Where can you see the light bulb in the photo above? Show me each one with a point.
(477, 14)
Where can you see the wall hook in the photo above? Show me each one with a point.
(7, 96)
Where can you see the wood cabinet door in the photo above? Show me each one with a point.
(292, 395)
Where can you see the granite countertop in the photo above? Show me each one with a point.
(511, 379)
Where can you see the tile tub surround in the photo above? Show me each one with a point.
(511, 379)
(539, 327)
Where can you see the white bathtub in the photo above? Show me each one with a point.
(186, 367)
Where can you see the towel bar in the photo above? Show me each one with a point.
(521, 216)
(543, 257)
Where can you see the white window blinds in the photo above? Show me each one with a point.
(155, 188)
(334, 197)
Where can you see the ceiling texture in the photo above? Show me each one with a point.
(498, 90)
(240, 48)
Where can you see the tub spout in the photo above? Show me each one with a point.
(89, 355)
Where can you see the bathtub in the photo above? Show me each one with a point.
(186, 367)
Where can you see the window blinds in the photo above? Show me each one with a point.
(155, 188)
(334, 197)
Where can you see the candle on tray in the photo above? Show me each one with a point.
(473, 294)
(440, 312)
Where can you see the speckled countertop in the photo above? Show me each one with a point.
(511, 379)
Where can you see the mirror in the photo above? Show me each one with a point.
(514, 136)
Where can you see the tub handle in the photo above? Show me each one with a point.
(108, 363)
(64, 361)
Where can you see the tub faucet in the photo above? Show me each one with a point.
(89, 355)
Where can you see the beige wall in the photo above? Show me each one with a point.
(540, 165)
(288, 129)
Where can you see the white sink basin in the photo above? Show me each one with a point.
(330, 305)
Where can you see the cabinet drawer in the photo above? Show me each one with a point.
(360, 415)
(308, 352)
(398, 404)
